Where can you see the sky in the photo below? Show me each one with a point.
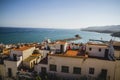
(59, 13)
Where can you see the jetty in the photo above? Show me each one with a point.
(98, 40)
(77, 37)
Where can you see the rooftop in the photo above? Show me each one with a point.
(77, 54)
(22, 48)
(32, 57)
(51, 44)
(61, 42)
(81, 57)
(35, 54)
(62, 55)
(6, 52)
(116, 43)
(71, 53)
(97, 44)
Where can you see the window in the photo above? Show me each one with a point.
(90, 49)
(52, 67)
(91, 70)
(99, 49)
(43, 69)
(14, 57)
(76, 70)
(65, 69)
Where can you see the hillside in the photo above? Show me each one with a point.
(116, 34)
(103, 29)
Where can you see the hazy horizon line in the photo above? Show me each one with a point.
(53, 27)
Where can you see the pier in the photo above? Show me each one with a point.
(98, 40)
(77, 37)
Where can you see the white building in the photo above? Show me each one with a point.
(61, 46)
(17, 55)
(57, 47)
(24, 51)
(116, 46)
(97, 50)
(44, 53)
(70, 66)
(74, 46)
(32, 60)
(11, 67)
(2, 72)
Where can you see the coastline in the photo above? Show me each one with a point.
(112, 33)
(28, 35)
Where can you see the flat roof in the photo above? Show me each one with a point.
(62, 55)
(97, 44)
(81, 57)
(116, 43)
(35, 54)
(51, 44)
(61, 42)
(32, 57)
(6, 51)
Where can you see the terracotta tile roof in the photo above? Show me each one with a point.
(71, 53)
(22, 48)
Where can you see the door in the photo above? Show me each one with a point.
(106, 53)
(15, 57)
(104, 73)
(9, 72)
(61, 48)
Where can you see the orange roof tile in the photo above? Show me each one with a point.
(71, 53)
(22, 48)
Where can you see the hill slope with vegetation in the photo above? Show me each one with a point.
(103, 29)
(113, 29)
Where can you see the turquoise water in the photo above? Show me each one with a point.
(26, 35)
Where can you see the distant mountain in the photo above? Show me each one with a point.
(103, 29)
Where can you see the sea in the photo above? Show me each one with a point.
(30, 35)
